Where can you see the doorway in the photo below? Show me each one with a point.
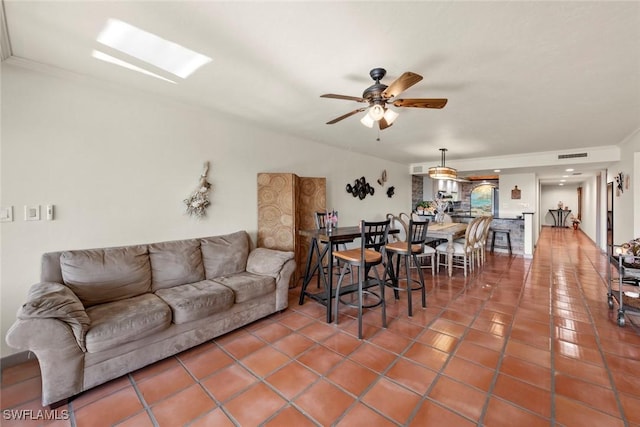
(610, 218)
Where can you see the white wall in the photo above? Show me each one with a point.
(626, 205)
(117, 164)
(526, 183)
(550, 195)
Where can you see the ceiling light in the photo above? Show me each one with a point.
(568, 170)
(390, 116)
(442, 172)
(376, 112)
(496, 170)
(367, 120)
(561, 184)
(150, 48)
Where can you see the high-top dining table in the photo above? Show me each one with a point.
(449, 231)
(330, 239)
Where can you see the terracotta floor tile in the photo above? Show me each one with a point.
(372, 357)
(438, 340)
(469, 373)
(526, 371)
(458, 397)
(324, 402)
(155, 368)
(206, 363)
(478, 354)
(578, 352)
(244, 345)
(317, 331)
(427, 356)
(266, 360)
(141, 419)
(432, 414)
(503, 414)
(293, 344)
(111, 409)
(342, 343)
(529, 353)
(391, 341)
(21, 392)
(525, 395)
(597, 397)
(495, 328)
(214, 418)
(164, 384)
(448, 327)
(397, 408)
(352, 377)
(586, 371)
(291, 379)
(272, 332)
(569, 412)
(631, 407)
(542, 342)
(411, 375)
(363, 416)
(228, 382)
(255, 405)
(287, 417)
(485, 339)
(20, 372)
(320, 359)
(294, 320)
(626, 383)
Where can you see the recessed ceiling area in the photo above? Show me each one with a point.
(520, 77)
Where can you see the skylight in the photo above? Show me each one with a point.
(108, 58)
(164, 54)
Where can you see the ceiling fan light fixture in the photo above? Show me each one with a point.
(367, 120)
(376, 112)
(442, 171)
(390, 116)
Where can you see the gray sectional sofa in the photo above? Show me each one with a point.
(98, 314)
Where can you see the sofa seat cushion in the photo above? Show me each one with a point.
(175, 263)
(120, 322)
(196, 300)
(247, 286)
(98, 276)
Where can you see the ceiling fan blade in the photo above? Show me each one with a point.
(383, 124)
(402, 83)
(337, 119)
(421, 103)
(346, 97)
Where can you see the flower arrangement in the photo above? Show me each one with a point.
(575, 221)
(198, 202)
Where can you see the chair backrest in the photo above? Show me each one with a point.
(404, 217)
(447, 218)
(417, 234)
(398, 224)
(374, 234)
(470, 233)
(320, 220)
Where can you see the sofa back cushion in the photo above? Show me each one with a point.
(97, 276)
(224, 255)
(175, 263)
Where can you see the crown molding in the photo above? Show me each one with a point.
(5, 42)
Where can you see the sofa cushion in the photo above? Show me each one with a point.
(247, 286)
(223, 255)
(175, 263)
(196, 300)
(120, 322)
(267, 261)
(97, 276)
(55, 301)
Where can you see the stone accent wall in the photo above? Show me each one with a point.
(417, 190)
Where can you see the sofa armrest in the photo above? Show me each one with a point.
(267, 262)
(49, 300)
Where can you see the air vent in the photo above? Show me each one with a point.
(571, 156)
(576, 173)
(417, 169)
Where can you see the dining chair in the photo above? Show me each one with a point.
(397, 223)
(462, 249)
(320, 220)
(408, 251)
(370, 254)
(482, 234)
(431, 242)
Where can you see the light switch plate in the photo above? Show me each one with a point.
(32, 213)
(6, 214)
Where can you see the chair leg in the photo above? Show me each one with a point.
(337, 297)
(382, 300)
(422, 285)
(408, 273)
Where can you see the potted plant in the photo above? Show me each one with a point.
(575, 221)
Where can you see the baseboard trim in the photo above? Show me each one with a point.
(16, 359)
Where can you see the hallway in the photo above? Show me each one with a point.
(522, 342)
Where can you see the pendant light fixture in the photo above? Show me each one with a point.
(442, 171)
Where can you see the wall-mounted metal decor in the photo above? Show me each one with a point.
(360, 188)
(390, 191)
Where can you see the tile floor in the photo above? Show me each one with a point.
(520, 343)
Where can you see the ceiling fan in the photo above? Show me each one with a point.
(378, 95)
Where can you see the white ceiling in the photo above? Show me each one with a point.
(521, 77)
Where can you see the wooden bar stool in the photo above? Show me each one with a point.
(507, 233)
